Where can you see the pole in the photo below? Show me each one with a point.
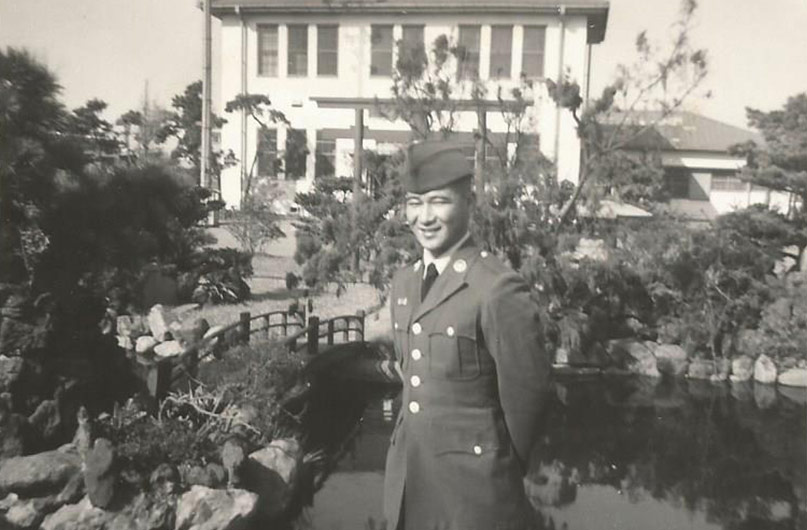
(204, 156)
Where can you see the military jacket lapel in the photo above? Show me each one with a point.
(409, 298)
(450, 281)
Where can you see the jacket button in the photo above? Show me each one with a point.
(484, 254)
(450, 331)
(416, 355)
(415, 380)
(414, 408)
(416, 329)
(477, 449)
(395, 326)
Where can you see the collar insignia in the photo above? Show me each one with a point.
(460, 265)
(402, 301)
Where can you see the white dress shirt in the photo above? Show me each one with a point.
(440, 263)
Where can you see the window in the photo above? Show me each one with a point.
(411, 49)
(296, 153)
(267, 152)
(676, 182)
(326, 156)
(501, 46)
(532, 58)
(468, 53)
(298, 50)
(327, 50)
(381, 50)
(267, 50)
(727, 183)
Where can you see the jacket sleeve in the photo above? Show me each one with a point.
(512, 334)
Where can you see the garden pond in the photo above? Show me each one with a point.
(627, 453)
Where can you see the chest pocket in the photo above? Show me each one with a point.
(453, 353)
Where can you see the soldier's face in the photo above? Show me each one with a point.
(439, 218)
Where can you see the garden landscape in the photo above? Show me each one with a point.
(171, 360)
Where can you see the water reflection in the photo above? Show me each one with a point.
(624, 454)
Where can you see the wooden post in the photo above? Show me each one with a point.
(481, 150)
(266, 323)
(313, 335)
(330, 332)
(284, 319)
(360, 313)
(244, 327)
(346, 332)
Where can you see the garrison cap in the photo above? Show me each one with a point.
(434, 164)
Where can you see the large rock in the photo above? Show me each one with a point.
(82, 516)
(99, 473)
(160, 320)
(793, 377)
(10, 372)
(145, 344)
(636, 356)
(273, 473)
(764, 370)
(26, 513)
(742, 369)
(131, 326)
(204, 508)
(671, 359)
(169, 348)
(701, 369)
(39, 474)
(16, 434)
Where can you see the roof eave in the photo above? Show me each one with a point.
(597, 13)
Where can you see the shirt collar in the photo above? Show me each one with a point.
(442, 262)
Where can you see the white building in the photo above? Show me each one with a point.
(700, 173)
(324, 62)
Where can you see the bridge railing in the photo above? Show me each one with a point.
(278, 328)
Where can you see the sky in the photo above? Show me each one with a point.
(110, 49)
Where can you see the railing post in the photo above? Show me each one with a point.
(346, 332)
(267, 329)
(313, 335)
(284, 319)
(330, 332)
(244, 327)
(361, 314)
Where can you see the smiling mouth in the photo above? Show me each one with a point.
(429, 231)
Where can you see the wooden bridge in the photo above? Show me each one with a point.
(288, 329)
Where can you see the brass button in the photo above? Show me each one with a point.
(416, 329)
(484, 254)
(415, 380)
(416, 355)
(477, 449)
(414, 408)
(450, 331)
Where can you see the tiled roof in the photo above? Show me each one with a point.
(687, 131)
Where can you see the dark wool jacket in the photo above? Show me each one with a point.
(475, 376)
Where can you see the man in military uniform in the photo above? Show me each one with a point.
(474, 369)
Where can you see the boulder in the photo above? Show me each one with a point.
(145, 344)
(636, 356)
(561, 356)
(39, 474)
(169, 348)
(82, 515)
(46, 420)
(273, 473)
(16, 434)
(793, 377)
(742, 369)
(204, 508)
(701, 369)
(99, 473)
(131, 326)
(160, 320)
(671, 359)
(764, 370)
(211, 475)
(10, 372)
(125, 343)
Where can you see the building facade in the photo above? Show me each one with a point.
(325, 65)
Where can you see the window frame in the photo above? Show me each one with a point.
(303, 134)
(383, 51)
(330, 51)
(508, 74)
(327, 154)
(290, 51)
(261, 30)
(462, 70)
(525, 52)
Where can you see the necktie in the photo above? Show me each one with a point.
(431, 275)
